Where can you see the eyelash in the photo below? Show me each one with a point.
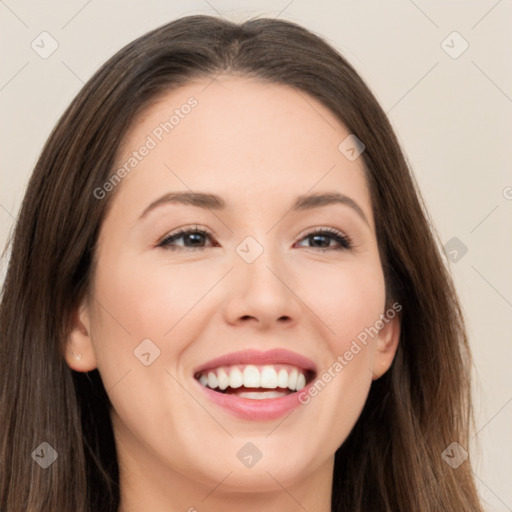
(343, 240)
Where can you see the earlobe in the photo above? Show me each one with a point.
(386, 346)
(79, 350)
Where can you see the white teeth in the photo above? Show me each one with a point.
(292, 379)
(236, 379)
(212, 380)
(263, 377)
(252, 377)
(223, 378)
(268, 377)
(282, 378)
(301, 382)
(260, 395)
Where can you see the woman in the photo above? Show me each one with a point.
(224, 292)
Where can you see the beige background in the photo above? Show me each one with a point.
(452, 115)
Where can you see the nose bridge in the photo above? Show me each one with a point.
(259, 259)
(262, 290)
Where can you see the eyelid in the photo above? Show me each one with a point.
(320, 229)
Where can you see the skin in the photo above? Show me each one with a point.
(259, 146)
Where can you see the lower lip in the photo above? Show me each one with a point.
(254, 409)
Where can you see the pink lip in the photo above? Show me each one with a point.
(256, 410)
(256, 357)
(249, 409)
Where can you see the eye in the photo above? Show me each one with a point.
(193, 236)
(324, 237)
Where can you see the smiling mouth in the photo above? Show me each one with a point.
(256, 381)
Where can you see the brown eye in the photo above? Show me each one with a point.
(192, 239)
(322, 238)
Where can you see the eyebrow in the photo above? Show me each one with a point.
(213, 202)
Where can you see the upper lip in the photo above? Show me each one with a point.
(257, 357)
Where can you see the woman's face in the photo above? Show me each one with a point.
(276, 303)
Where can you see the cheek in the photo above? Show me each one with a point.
(348, 300)
(346, 297)
(135, 303)
(148, 302)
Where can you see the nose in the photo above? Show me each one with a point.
(262, 293)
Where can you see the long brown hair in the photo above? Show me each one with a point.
(392, 459)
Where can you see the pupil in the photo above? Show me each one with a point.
(194, 238)
(316, 237)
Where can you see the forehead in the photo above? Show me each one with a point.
(241, 138)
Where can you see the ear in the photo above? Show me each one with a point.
(386, 345)
(79, 352)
